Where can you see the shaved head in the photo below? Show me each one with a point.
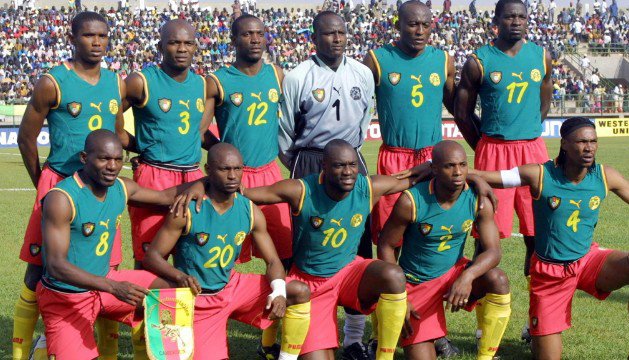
(335, 146)
(413, 6)
(172, 25)
(445, 150)
(97, 139)
(221, 151)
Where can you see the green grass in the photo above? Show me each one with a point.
(600, 329)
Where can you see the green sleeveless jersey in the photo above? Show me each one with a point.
(81, 108)
(409, 95)
(435, 240)
(248, 113)
(93, 227)
(167, 123)
(510, 91)
(211, 242)
(326, 233)
(566, 213)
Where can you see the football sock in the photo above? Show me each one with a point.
(374, 326)
(269, 335)
(107, 339)
(138, 342)
(495, 317)
(391, 310)
(354, 328)
(25, 315)
(479, 317)
(294, 330)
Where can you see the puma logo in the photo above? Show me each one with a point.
(417, 78)
(576, 203)
(105, 224)
(185, 103)
(448, 229)
(337, 222)
(257, 96)
(338, 91)
(97, 107)
(519, 75)
(222, 237)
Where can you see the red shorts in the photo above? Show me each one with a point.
(390, 161)
(146, 220)
(427, 300)
(278, 217)
(69, 317)
(242, 299)
(554, 285)
(494, 154)
(31, 248)
(325, 295)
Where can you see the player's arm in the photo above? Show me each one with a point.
(43, 100)
(212, 97)
(617, 183)
(178, 197)
(546, 92)
(161, 246)
(486, 260)
(286, 133)
(288, 191)
(394, 227)
(449, 90)
(127, 140)
(135, 95)
(525, 175)
(387, 185)
(367, 116)
(276, 301)
(369, 62)
(57, 216)
(465, 102)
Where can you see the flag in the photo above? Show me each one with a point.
(169, 316)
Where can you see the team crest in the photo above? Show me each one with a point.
(113, 106)
(496, 76)
(425, 228)
(273, 96)
(34, 249)
(467, 225)
(536, 75)
(74, 108)
(316, 222)
(595, 201)
(240, 238)
(236, 98)
(394, 78)
(200, 105)
(319, 94)
(355, 93)
(164, 104)
(435, 80)
(88, 228)
(202, 238)
(357, 219)
(554, 202)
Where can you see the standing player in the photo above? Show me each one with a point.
(79, 216)
(251, 90)
(434, 219)
(168, 103)
(76, 98)
(568, 193)
(412, 81)
(512, 78)
(220, 230)
(329, 211)
(329, 96)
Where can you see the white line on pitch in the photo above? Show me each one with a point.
(18, 189)
(516, 235)
(12, 154)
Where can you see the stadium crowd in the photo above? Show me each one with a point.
(33, 40)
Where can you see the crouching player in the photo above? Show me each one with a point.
(207, 246)
(434, 219)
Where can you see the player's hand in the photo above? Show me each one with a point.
(277, 306)
(187, 281)
(484, 191)
(407, 329)
(459, 293)
(417, 173)
(128, 292)
(135, 162)
(195, 192)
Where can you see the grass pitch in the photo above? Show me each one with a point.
(600, 329)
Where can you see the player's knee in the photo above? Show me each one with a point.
(394, 279)
(497, 281)
(297, 292)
